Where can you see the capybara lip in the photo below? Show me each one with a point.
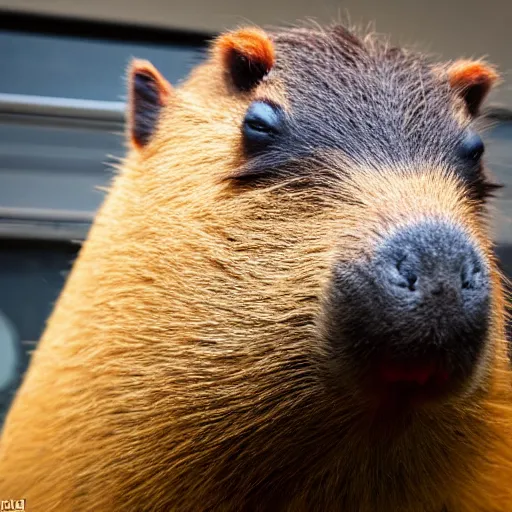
(410, 383)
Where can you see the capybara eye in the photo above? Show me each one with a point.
(472, 147)
(262, 123)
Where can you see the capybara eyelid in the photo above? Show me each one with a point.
(472, 147)
(263, 121)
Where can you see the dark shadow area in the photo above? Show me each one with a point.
(31, 277)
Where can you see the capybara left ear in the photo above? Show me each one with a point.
(472, 80)
(148, 93)
(247, 56)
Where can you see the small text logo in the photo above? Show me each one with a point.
(12, 505)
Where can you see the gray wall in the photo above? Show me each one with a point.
(452, 28)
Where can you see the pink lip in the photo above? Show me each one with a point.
(410, 383)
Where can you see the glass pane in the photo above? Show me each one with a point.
(77, 68)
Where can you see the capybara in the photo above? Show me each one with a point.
(288, 300)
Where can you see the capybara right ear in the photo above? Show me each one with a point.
(472, 80)
(247, 56)
(148, 93)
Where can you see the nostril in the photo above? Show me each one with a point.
(409, 277)
(465, 283)
(412, 279)
(470, 274)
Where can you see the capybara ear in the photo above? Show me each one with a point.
(148, 92)
(473, 80)
(247, 55)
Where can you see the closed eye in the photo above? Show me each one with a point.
(470, 151)
(471, 148)
(262, 123)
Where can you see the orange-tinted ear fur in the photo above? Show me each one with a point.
(473, 79)
(248, 55)
(149, 91)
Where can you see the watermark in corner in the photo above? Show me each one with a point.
(12, 505)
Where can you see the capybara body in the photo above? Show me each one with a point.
(288, 301)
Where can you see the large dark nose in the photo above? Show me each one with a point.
(422, 302)
(433, 270)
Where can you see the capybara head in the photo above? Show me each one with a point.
(290, 297)
(316, 205)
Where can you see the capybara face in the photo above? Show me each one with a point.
(337, 197)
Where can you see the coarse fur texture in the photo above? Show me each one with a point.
(188, 364)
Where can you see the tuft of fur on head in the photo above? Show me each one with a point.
(186, 365)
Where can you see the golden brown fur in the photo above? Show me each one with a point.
(184, 367)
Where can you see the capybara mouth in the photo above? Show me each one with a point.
(411, 383)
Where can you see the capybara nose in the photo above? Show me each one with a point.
(434, 267)
(418, 310)
(432, 284)
(433, 260)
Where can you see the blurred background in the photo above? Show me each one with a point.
(62, 95)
